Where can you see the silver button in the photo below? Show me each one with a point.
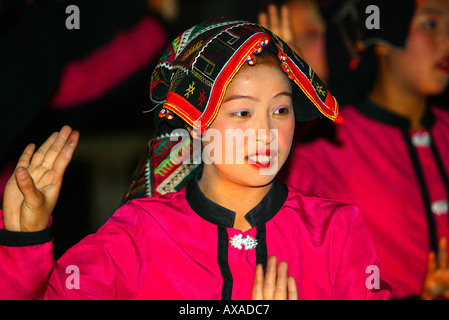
(421, 139)
(249, 242)
(440, 207)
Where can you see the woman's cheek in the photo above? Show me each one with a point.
(285, 136)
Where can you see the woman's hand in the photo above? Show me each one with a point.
(32, 191)
(275, 284)
(436, 284)
(278, 21)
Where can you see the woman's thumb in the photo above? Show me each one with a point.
(28, 188)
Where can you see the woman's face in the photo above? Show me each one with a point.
(251, 136)
(424, 64)
(309, 32)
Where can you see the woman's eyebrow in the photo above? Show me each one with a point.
(429, 10)
(283, 93)
(239, 96)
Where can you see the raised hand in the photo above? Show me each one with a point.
(275, 284)
(32, 191)
(278, 21)
(436, 283)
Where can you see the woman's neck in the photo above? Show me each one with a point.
(231, 195)
(391, 95)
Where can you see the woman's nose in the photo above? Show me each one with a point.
(264, 132)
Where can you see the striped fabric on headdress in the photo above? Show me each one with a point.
(189, 83)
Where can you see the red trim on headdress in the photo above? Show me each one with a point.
(179, 105)
(153, 84)
(329, 108)
(201, 121)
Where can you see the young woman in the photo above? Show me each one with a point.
(390, 157)
(221, 235)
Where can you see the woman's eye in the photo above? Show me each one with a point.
(242, 113)
(281, 111)
(430, 24)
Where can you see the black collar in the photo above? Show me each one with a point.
(374, 111)
(216, 214)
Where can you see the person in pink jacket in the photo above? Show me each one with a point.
(390, 158)
(217, 227)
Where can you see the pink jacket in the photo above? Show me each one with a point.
(183, 246)
(396, 176)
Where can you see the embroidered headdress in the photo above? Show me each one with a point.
(190, 81)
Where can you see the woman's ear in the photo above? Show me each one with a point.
(381, 50)
(193, 133)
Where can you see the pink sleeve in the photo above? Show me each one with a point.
(24, 270)
(357, 274)
(128, 52)
(95, 268)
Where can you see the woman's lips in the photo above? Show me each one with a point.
(443, 64)
(261, 159)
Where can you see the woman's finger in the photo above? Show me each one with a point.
(269, 284)
(40, 153)
(33, 197)
(292, 289)
(25, 158)
(257, 293)
(273, 17)
(280, 292)
(442, 254)
(56, 147)
(263, 20)
(431, 263)
(286, 24)
(65, 156)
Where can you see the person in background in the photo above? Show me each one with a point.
(48, 70)
(390, 157)
(301, 25)
(92, 78)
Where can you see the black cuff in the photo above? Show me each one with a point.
(24, 239)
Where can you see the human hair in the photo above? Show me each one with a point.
(366, 74)
(269, 55)
(353, 86)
